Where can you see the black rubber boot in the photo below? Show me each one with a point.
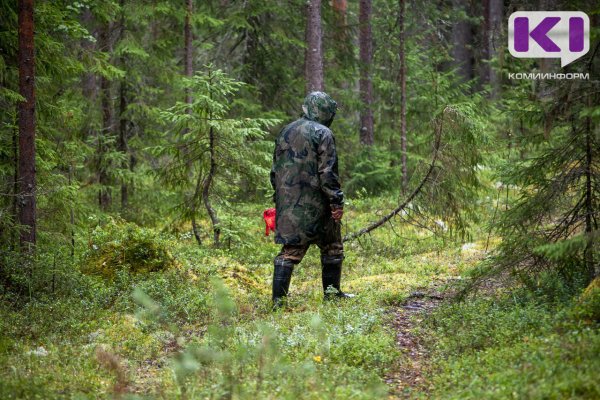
(331, 276)
(282, 277)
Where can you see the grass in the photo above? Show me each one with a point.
(205, 330)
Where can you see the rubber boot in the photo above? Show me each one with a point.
(331, 276)
(282, 277)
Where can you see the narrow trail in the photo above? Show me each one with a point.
(407, 375)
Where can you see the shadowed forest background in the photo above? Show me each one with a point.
(136, 141)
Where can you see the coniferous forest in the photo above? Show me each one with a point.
(137, 154)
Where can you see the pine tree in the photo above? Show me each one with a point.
(207, 140)
(553, 223)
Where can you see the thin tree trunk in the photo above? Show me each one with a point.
(206, 189)
(104, 195)
(193, 204)
(123, 146)
(26, 117)
(252, 45)
(403, 97)
(494, 33)
(313, 59)
(15, 188)
(188, 72)
(340, 9)
(188, 61)
(123, 134)
(188, 50)
(366, 85)
(342, 45)
(342, 42)
(484, 69)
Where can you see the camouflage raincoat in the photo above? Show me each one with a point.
(304, 174)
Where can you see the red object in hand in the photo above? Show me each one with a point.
(269, 217)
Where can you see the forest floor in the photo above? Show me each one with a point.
(204, 328)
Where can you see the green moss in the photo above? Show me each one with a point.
(121, 245)
(588, 304)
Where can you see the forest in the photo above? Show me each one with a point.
(139, 141)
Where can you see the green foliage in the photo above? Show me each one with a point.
(588, 304)
(259, 360)
(482, 324)
(145, 318)
(371, 173)
(207, 139)
(509, 345)
(119, 245)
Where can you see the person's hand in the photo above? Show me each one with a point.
(337, 214)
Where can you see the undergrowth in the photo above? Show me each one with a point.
(202, 326)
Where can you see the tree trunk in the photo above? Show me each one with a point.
(123, 146)
(188, 61)
(26, 117)
(403, 96)
(366, 85)
(104, 195)
(340, 9)
(251, 66)
(188, 50)
(123, 122)
(462, 40)
(342, 42)
(494, 36)
(15, 186)
(206, 189)
(484, 51)
(313, 58)
(193, 205)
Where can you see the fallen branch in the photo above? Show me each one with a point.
(402, 206)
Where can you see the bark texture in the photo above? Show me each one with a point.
(313, 59)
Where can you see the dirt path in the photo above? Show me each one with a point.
(406, 377)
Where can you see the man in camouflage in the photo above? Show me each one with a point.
(308, 196)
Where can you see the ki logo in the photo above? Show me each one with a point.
(549, 34)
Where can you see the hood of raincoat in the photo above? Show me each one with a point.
(319, 107)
